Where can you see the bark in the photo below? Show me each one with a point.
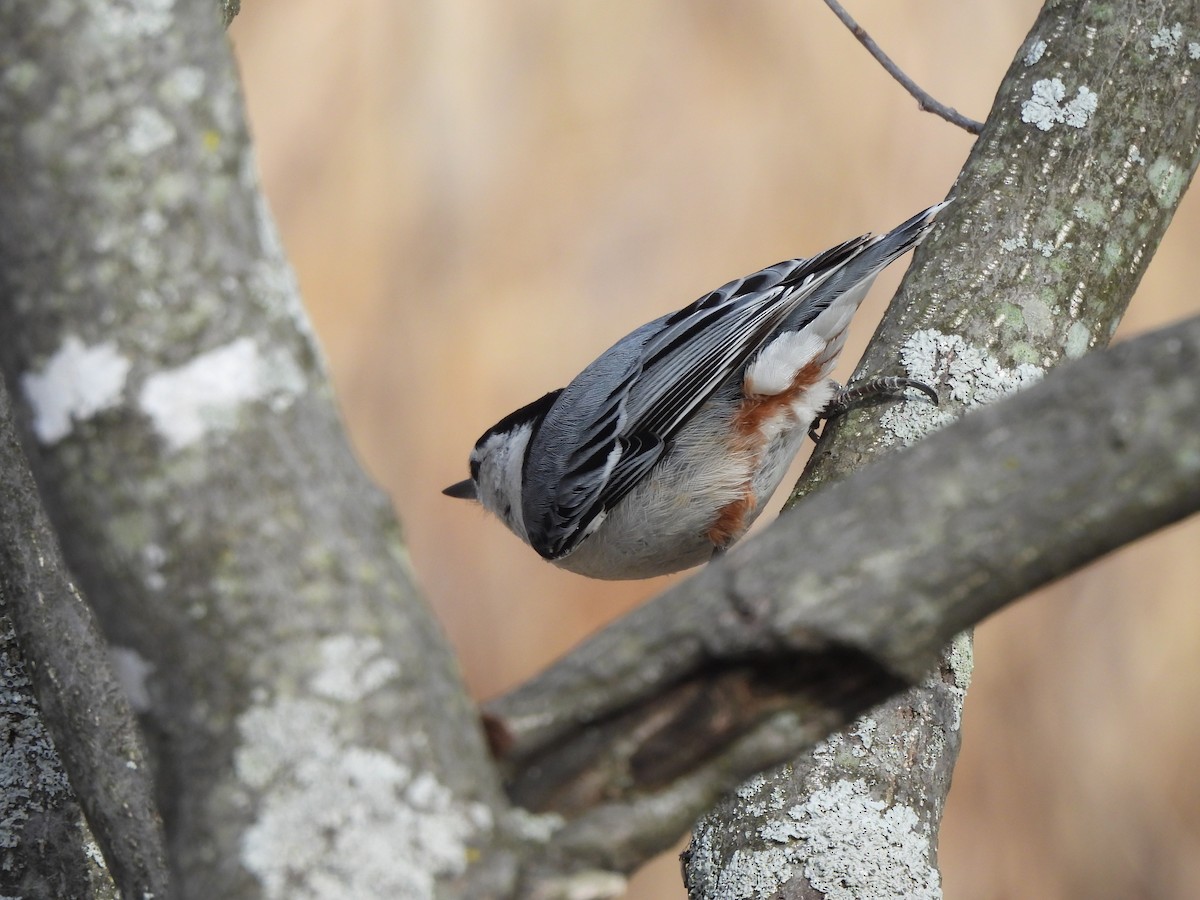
(78, 695)
(308, 727)
(46, 848)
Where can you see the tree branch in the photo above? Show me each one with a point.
(48, 849)
(868, 602)
(924, 100)
(82, 704)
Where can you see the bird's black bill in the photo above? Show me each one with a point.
(463, 490)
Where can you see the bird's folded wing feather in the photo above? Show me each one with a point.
(680, 367)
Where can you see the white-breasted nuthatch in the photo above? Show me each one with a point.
(665, 449)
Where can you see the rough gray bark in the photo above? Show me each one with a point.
(46, 849)
(309, 731)
(78, 695)
(1062, 221)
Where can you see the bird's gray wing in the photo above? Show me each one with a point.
(597, 447)
(620, 436)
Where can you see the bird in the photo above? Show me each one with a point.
(661, 453)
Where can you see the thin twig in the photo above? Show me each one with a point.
(926, 102)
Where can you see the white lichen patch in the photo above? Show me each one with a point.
(337, 820)
(1167, 40)
(1037, 316)
(148, 131)
(756, 873)
(31, 774)
(183, 85)
(864, 729)
(207, 394)
(960, 658)
(146, 19)
(535, 827)
(76, 383)
(1091, 211)
(1035, 52)
(352, 666)
(848, 845)
(586, 884)
(133, 673)
(1194, 50)
(971, 374)
(825, 752)
(94, 854)
(856, 848)
(153, 557)
(1045, 107)
(751, 787)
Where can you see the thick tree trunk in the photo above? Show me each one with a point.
(307, 722)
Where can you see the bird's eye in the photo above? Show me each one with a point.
(475, 470)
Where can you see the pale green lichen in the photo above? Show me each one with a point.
(1024, 353)
(1079, 340)
(1009, 315)
(1167, 181)
(1112, 254)
(961, 657)
(1091, 211)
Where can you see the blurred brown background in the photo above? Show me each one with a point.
(480, 197)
